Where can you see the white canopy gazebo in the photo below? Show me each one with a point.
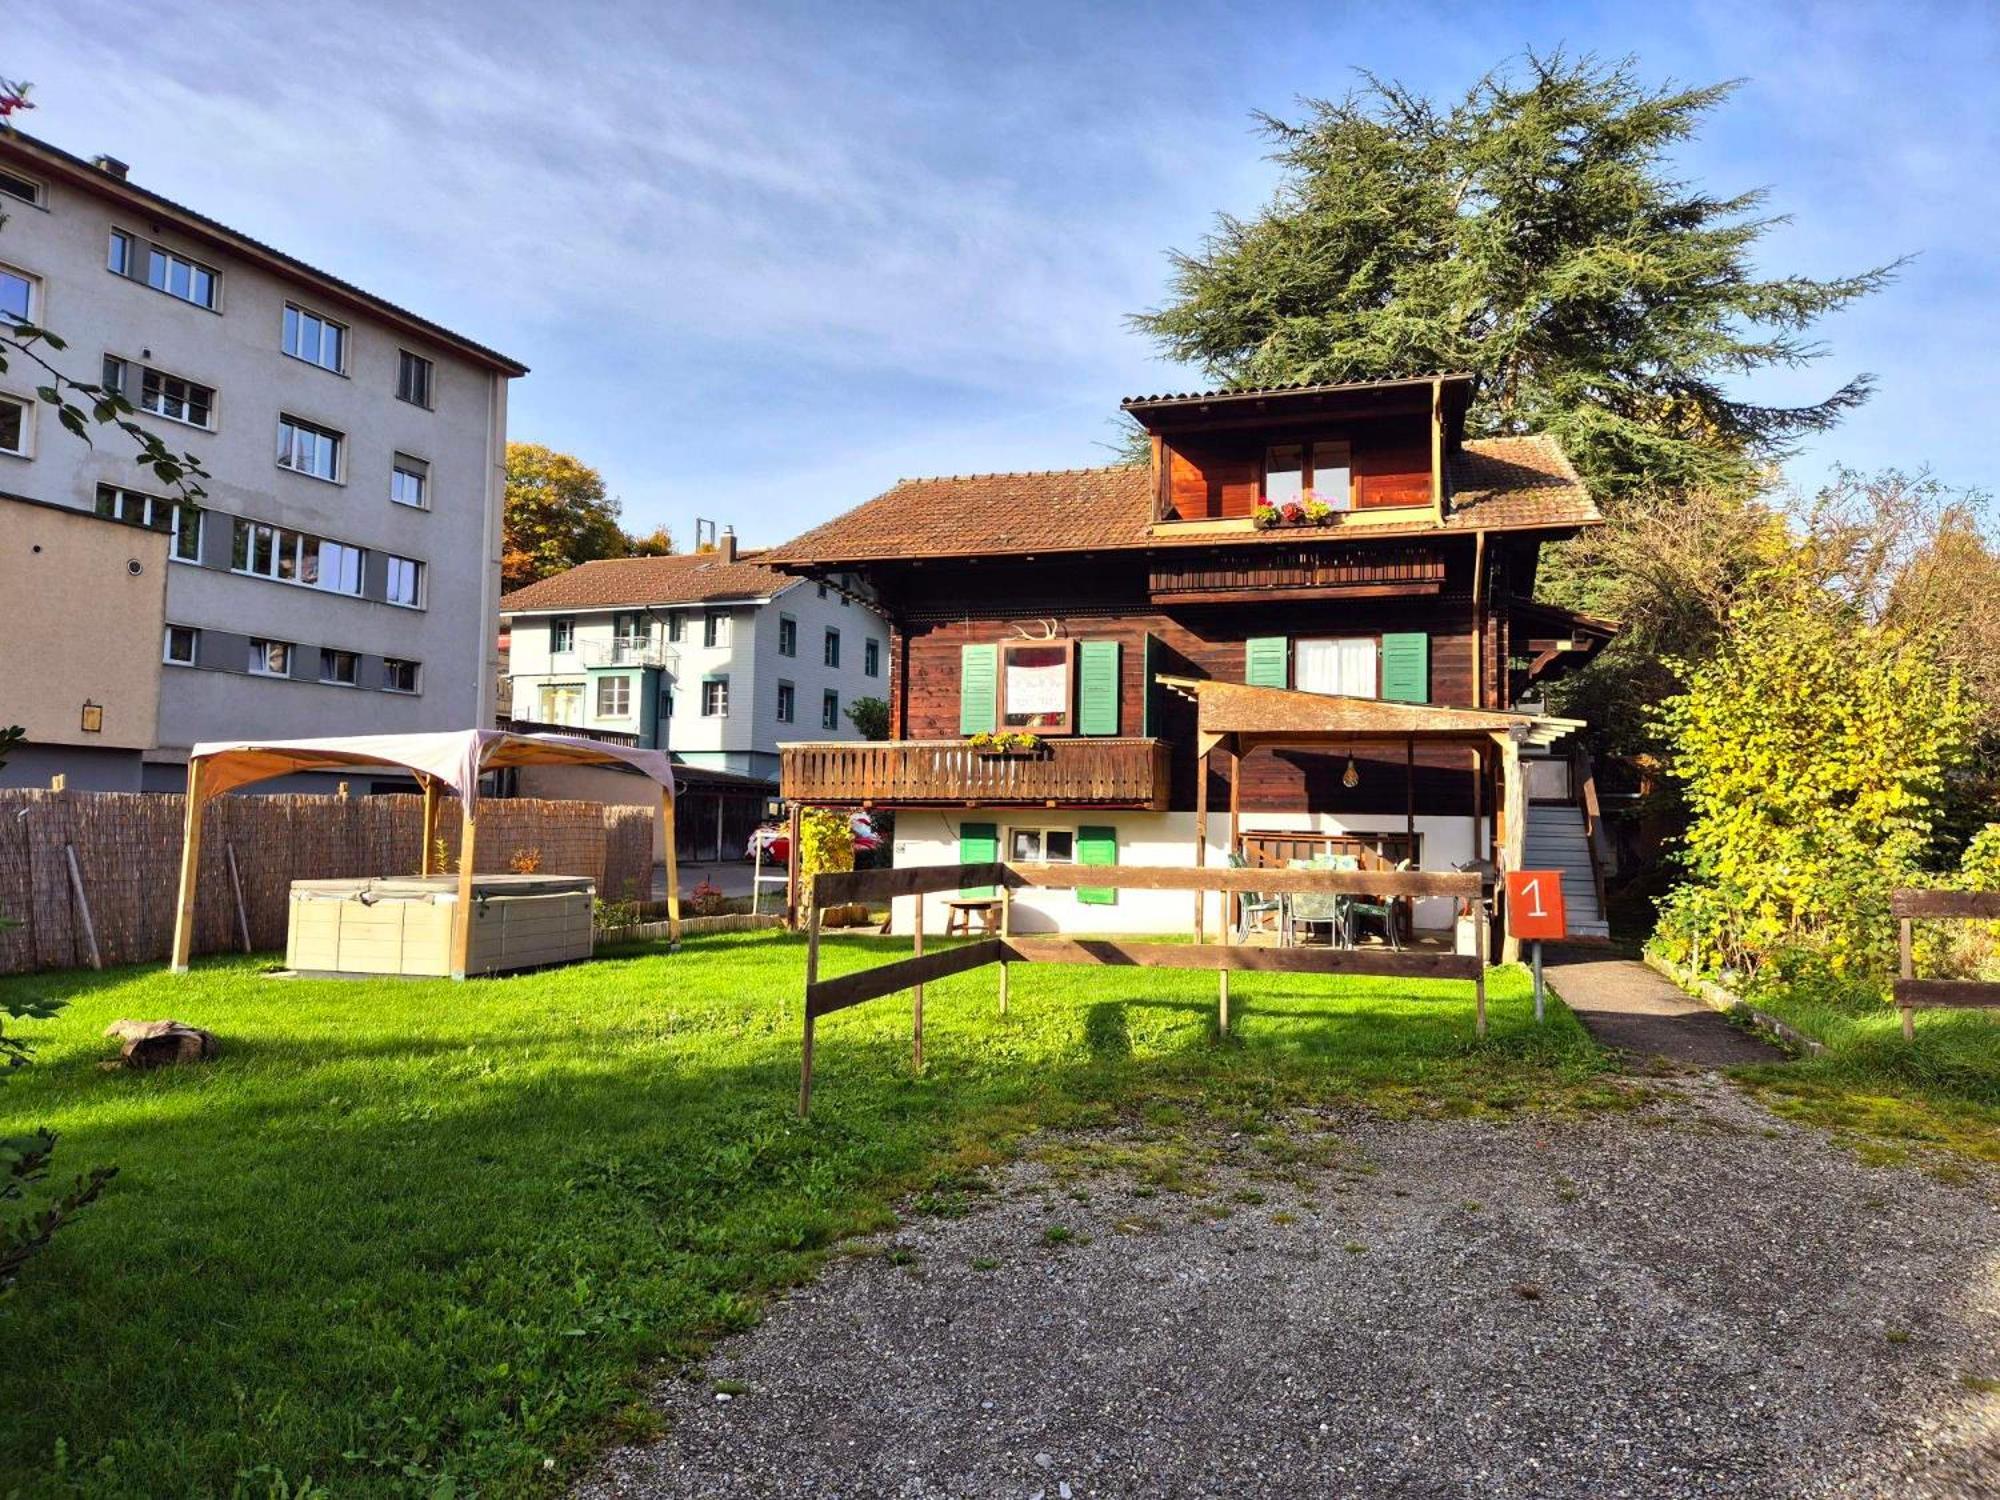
(453, 760)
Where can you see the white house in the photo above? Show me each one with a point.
(707, 654)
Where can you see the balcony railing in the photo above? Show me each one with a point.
(627, 651)
(890, 773)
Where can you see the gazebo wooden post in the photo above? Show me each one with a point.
(1201, 837)
(428, 863)
(1514, 827)
(461, 917)
(673, 868)
(1232, 912)
(190, 866)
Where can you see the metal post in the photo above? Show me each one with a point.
(1538, 981)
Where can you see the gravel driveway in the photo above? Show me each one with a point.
(1693, 1298)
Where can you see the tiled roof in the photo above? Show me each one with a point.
(686, 578)
(1498, 484)
(1231, 393)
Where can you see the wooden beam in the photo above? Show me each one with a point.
(1162, 878)
(1232, 908)
(1006, 931)
(1201, 833)
(1907, 971)
(1514, 800)
(669, 837)
(1278, 593)
(837, 888)
(82, 900)
(1952, 993)
(917, 993)
(795, 826)
(1437, 451)
(829, 995)
(812, 981)
(1479, 619)
(468, 854)
(190, 865)
(1976, 905)
(1123, 953)
(427, 865)
(236, 889)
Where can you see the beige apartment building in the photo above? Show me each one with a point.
(341, 574)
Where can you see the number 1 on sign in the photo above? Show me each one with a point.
(1532, 891)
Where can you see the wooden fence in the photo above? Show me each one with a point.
(120, 852)
(825, 996)
(1907, 907)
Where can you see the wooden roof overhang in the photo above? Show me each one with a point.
(1245, 717)
(1557, 640)
(1220, 410)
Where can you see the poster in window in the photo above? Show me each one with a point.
(1037, 687)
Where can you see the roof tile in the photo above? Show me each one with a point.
(685, 578)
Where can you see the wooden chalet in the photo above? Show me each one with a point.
(1386, 623)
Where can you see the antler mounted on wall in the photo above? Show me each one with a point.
(1049, 630)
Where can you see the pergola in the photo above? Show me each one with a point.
(1241, 718)
(453, 761)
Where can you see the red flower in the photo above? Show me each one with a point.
(1293, 513)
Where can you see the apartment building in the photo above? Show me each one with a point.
(708, 654)
(341, 575)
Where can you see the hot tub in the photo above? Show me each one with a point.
(401, 924)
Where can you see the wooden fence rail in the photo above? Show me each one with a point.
(824, 996)
(126, 849)
(1907, 906)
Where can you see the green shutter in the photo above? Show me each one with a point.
(978, 844)
(978, 689)
(1149, 714)
(1265, 658)
(1097, 695)
(1097, 846)
(1406, 667)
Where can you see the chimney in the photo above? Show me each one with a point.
(727, 546)
(110, 166)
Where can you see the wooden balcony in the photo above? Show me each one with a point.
(949, 773)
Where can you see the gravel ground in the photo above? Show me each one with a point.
(1690, 1299)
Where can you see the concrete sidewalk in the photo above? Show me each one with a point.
(1626, 1006)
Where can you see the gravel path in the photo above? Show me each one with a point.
(1688, 1299)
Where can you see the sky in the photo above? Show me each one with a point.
(764, 259)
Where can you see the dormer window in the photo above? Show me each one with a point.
(1322, 468)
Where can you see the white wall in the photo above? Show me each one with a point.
(930, 837)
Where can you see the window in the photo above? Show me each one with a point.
(1320, 469)
(715, 628)
(183, 641)
(155, 513)
(405, 583)
(314, 339)
(399, 676)
(16, 426)
(831, 654)
(180, 277)
(413, 378)
(17, 296)
(822, 591)
(410, 482)
(562, 637)
(270, 658)
(614, 697)
(171, 397)
(1345, 666)
(829, 710)
(715, 698)
(14, 185)
(871, 658)
(788, 703)
(114, 374)
(1035, 685)
(788, 636)
(676, 625)
(294, 557)
(307, 449)
(560, 703)
(122, 255)
(340, 667)
(1056, 846)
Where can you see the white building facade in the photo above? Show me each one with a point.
(341, 573)
(705, 654)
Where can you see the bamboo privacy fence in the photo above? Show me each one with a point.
(126, 848)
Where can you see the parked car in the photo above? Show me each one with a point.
(777, 843)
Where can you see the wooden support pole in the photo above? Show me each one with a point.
(1233, 903)
(1479, 844)
(812, 978)
(428, 864)
(1514, 803)
(1479, 978)
(1906, 944)
(1410, 798)
(190, 866)
(236, 889)
(1479, 619)
(1437, 452)
(83, 908)
(917, 992)
(1200, 841)
(461, 917)
(667, 837)
(1006, 931)
(794, 825)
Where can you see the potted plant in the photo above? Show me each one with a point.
(1004, 742)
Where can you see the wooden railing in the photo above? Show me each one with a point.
(1083, 772)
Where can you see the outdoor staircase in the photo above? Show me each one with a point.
(1557, 840)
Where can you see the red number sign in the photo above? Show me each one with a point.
(1535, 904)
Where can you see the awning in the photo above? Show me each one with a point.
(457, 758)
(1227, 709)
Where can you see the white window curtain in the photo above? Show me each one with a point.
(1345, 667)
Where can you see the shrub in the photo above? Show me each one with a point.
(707, 900)
(525, 861)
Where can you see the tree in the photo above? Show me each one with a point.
(1530, 233)
(558, 515)
(659, 542)
(870, 716)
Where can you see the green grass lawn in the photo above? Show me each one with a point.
(424, 1237)
(1942, 1090)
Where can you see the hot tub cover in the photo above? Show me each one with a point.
(455, 757)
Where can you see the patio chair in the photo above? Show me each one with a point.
(1254, 907)
(1360, 909)
(1314, 908)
